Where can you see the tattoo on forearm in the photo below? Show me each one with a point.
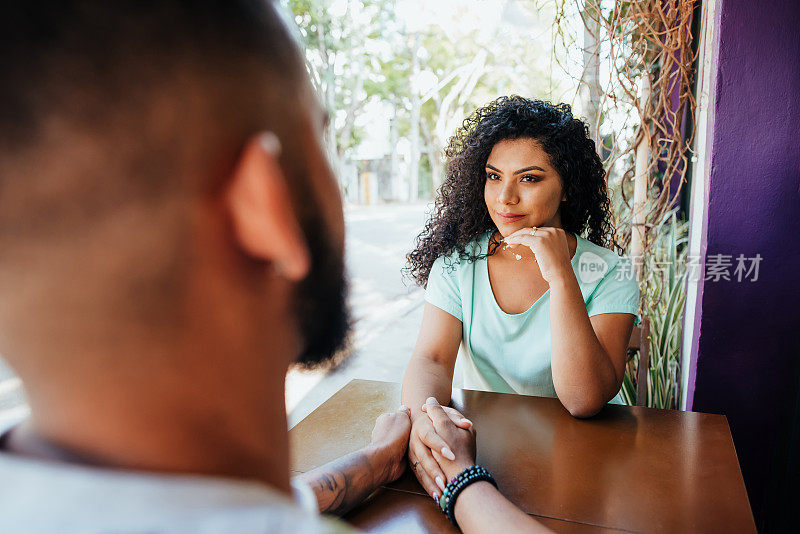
(343, 483)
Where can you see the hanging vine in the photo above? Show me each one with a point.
(647, 54)
(640, 111)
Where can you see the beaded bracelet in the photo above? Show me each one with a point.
(447, 502)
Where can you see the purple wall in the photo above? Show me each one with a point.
(748, 350)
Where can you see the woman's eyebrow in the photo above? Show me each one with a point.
(531, 168)
(526, 169)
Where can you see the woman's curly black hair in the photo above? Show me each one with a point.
(460, 215)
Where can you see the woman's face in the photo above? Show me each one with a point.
(522, 188)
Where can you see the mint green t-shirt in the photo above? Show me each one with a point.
(510, 353)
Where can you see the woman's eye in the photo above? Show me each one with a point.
(530, 178)
(492, 176)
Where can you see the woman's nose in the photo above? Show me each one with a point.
(508, 194)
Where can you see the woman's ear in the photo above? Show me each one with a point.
(265, 223)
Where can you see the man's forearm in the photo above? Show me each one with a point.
(583, 374)
(345, 482)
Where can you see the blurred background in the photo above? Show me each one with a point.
(693, 107)
(399, 76)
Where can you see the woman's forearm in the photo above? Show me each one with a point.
(583, 374)
(425, 377)
(481, 508)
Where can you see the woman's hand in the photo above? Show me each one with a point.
(550, 247)
(424, 443)
(480, 507)
(461, 440)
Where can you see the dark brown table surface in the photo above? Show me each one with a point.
(628, 469)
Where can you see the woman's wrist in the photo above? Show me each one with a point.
(457, 466)
(563, 280)
(471, 495)
(458, 485)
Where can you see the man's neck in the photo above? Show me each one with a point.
(228, 436)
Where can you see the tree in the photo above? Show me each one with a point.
(590, 79)
(431, 73)
(344, 49)
(476, 67)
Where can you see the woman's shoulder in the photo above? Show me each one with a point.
(594, 248)
(607, 280)
(595, 263)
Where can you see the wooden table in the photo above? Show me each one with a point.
(627, 469)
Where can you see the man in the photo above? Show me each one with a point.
(172, 239)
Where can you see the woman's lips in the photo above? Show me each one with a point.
(509, 217)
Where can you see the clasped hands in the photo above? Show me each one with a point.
(441, 445)
(439, 440)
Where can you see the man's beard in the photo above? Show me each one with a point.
(321, 304)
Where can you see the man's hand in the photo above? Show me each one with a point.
(390, 442)
(461, 440)
(424, 440)
(343, 483)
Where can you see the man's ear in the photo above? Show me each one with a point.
(264, 220)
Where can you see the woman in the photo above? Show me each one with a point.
(536, 308)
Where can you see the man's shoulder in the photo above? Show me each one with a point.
(84, 499)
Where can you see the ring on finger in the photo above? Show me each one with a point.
(533, 231)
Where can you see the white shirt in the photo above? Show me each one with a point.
(41, 496)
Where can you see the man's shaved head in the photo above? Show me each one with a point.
(152, 80)
(117, 120)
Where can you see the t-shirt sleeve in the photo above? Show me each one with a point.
(617, 292)
(304, 496)
(443, 290)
